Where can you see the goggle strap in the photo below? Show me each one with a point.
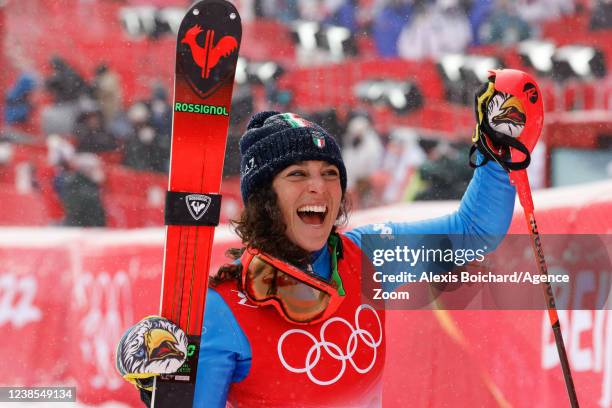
(333, 242)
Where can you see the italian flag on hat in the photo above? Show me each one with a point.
(296, 121)
(319, 141)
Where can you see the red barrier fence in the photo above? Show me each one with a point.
(67, 295)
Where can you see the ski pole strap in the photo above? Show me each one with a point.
(489, 154)
(195, 209)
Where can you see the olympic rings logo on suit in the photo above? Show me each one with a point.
(335, 351)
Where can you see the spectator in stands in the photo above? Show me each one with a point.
(145, 148)
(18, 106)
(66, 87)
(444, 174)
(403, 156)
(242, 108)
(436, 28)
(287, 11)
(106, 89)
(90, 132)
(535, 12)
(341, 13)
(79, 188)
(505, 25)
(601, 17)
(388, 24)
(268, 8)
(64, 83)
(161, 112)
(479, 13)
(59, 118)
(362, 151)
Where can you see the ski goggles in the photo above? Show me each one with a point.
(299, 296)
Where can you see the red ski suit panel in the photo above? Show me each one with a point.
(335, 363)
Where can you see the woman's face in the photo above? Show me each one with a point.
(309, 196)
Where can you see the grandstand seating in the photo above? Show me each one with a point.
(89, 33)
(131, 198)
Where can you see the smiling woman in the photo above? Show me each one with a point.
(286, 321)
(293, 183)
(309, 196)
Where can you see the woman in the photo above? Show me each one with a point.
(285, 323)
(293, 182)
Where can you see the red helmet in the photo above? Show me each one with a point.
(518, 101)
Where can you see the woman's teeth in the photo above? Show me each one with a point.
(313, 208)
(312, 214)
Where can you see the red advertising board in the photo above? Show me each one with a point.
(66, 296)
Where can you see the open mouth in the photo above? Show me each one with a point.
(510, 115)
(164, 351)
(312, 214)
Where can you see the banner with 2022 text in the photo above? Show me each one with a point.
(66, 296)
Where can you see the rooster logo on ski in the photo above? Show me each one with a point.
(207, 55)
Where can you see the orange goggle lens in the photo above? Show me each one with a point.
(298, 295)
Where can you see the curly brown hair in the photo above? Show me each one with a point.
(261, 226)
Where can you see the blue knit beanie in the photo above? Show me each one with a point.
(274, 141)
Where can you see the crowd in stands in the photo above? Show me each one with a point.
(88, 123)
(416, 29)
(93, 114)
(85, 125)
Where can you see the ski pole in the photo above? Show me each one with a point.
(521, 182)
(522, 131)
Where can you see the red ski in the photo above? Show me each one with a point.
(206, 55)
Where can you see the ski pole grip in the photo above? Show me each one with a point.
(196, 209)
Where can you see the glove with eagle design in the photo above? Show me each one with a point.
(151, 347)
(508, 119)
